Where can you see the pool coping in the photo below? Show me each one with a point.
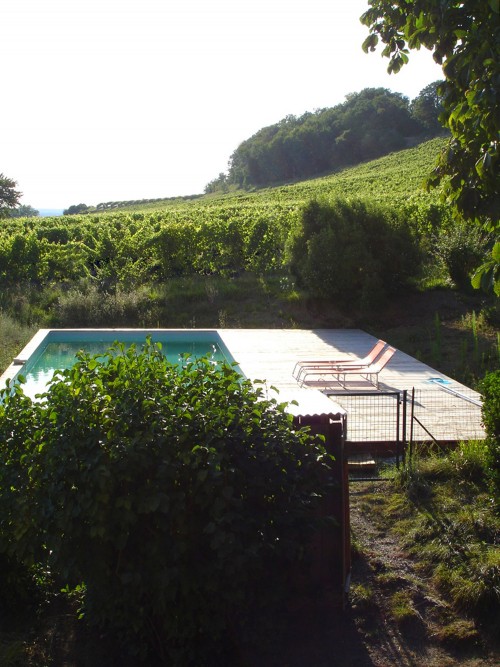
(30, 348)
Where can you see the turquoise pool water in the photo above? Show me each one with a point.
(58, 350)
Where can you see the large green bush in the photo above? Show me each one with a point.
(490, 388)
(353, 252)
(179, 496)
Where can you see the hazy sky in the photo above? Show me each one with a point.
(107, 100)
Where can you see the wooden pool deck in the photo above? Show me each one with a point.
(446, 410)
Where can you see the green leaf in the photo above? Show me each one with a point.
(370, 43)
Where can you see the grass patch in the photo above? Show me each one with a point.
(458, 632)
(401, 606)
(452, 526)
(362, 597)
(14, 337)
(390, 579)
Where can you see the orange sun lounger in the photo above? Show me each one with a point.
(337, 373)
(304, 368)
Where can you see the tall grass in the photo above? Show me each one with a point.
(13, 337)
(454, 527)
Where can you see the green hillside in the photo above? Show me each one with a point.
(235, 232)
(394, 177)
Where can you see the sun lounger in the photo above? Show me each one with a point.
(337, 374)
(304, 368)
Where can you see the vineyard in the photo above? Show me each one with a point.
(223, 236)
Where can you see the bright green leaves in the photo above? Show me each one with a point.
(397, 62)
(487, 276)
(174, 492)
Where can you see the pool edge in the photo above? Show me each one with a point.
(39, 337)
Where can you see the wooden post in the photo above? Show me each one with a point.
(332, 547)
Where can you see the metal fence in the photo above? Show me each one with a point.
(373, 416)
(445, 415)
(439, 414)
(382, 424)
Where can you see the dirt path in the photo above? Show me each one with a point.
(394, 617)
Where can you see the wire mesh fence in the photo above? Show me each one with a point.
(381, 424)
(440, 414)
(445, 415)
(372, 417)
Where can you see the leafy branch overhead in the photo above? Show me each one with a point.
(465, 40)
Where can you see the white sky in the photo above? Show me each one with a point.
(107, 100)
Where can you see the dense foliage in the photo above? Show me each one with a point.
(465, 39)
(368, 124)
(462, 247)
(490, 388)
(179, 496)
(75, 209)
(427, 107)
(352, 252)
(24, 211)
(218, 236)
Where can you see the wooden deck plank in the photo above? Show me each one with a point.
(271, 354)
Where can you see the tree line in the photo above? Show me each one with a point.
(367, 125)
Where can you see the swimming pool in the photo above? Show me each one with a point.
(56, 349)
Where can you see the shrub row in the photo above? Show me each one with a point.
(336, 248)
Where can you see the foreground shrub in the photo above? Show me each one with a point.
(180, 497)
(353, 252)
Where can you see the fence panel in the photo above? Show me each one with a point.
(373, 416)
(440, 414)
(445, 415)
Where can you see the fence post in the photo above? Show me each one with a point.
(410, 447)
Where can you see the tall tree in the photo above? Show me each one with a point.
(9, 196)
(427, 107)
(465, 40)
